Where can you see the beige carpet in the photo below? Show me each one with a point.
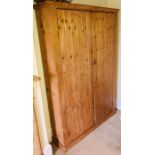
(104, 140)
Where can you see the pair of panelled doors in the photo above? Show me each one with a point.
(87, 51)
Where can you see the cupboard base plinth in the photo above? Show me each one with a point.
(67, 147)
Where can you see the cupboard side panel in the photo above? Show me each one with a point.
(51, 56)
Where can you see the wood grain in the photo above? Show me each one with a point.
(79, 56)
(107, 133)
(66, 148)
(51, 54)
(75, 43)
(103, 63)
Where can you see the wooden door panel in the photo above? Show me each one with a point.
(103, 64)
(75, 47)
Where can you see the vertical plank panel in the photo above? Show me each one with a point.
(64, 58)
(88, 60)
(103, 64)
(75, 47)
(86, 74)
(94, 63)
(71, 87)
(110, 60)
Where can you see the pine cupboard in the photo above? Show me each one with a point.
(78, 45)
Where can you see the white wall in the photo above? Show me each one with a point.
(114, 4)
(117, 4)
(119, 63)
(91, 2)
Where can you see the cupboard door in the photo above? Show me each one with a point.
(75, 47)
(103, 64)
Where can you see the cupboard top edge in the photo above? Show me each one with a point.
(68, 6)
